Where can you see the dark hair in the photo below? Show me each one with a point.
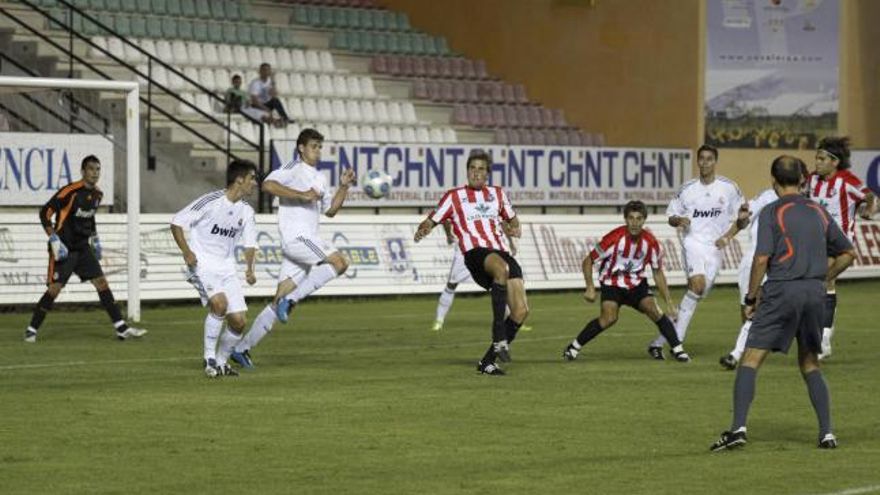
(89, 159)
(236, 76)
(239, 168)
(839, 147)
(265, 64)
(478, 155)
(709, 148)
(637, 206)
(307, 135)
(787, 170)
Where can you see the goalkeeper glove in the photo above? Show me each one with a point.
(59, 250)
(96, 246)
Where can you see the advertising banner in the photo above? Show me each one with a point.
(384, 258)
(33, 166)
(771, 72)
(540, 176)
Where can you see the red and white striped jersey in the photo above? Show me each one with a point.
(624, 259)
(840, 194)
(476, 216)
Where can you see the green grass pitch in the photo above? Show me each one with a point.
(358, 396)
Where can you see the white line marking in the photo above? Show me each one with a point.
(856, 491)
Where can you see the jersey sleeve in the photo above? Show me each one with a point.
(189, 215)
(320, 184)
(278, 175)
(445, 209)
(505, 209)
(855, 189)
(676, 207)
(249, 235)
(735, 199)
(48, 211)
(605, 247)
(655, 254)
(765, 242)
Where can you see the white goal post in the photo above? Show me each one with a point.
(132, 113)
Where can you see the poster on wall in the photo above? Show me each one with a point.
(771, 73)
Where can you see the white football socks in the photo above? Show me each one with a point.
(213, 327)
(317, 278)
(228, 340)
(737, 351)
(685, 312)
(261, 327)
(444, 303)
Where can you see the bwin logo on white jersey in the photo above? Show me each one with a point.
(714, 212)
(217, 230)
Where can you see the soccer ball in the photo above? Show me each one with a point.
(376, 184)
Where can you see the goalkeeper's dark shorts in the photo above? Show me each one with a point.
(82, 262)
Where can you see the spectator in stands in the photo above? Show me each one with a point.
(264, 97)
(236, 98)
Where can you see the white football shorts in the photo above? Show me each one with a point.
(208, 283)
(458, 272)
(701, 259)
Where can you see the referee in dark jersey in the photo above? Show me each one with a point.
(69, 221)
(795, 239)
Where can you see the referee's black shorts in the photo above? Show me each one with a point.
(629, 297)
(475, 260)
(82, 262)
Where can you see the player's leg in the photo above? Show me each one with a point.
(828, 318)
(326, 265)
(729, 360)
(496, 267)
(516, 308)
(236, 320)
(809, 344)
(608, 313)
(56, 277)
(108, 302)
(444, 303)
(217, 305)
(647, 304)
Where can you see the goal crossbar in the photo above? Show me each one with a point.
(132, 125)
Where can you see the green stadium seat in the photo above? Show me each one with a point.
(365, 19)
(273, 36)
(300, 15)
(107, 19)
(313, 15)
(368, 41)
(154, 27)
(89, 28)
(340, 18)
(258, 35)
(393, 42)
(233, 10)
(97, 5)
(430, 48)
(247, 14)
(203, 10)
(380, 42)
(288, 39)
(200, 30)
(230, 34)
(380, 20)
(188, 8)
(158, 7)
(218, 10)
(113, 5)
(185, 30)
(442, 46)
(244, 34)
(139, 26)
(339, 41)
(173, 8)
(169, 28)
(123, 25)
(352, 18)
(130, 6)
(418, 44)
(144, 7)
(215, 32)
(403, 22)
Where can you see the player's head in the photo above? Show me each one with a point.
(236, 81)
(308, 145)
(91, 170)
(635, 213)
(242, 175)
(787, 172)
(832, 154)
(265, 71)
(478, 168)
(707, 157)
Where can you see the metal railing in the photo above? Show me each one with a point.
(68, 25)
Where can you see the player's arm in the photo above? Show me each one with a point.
(346, 179)
(447, 228)
(676, 214)
(180, 238)
(250, 247)
(663, 289)
(424, 229)
(759, 270)
(741, 222)
(513, 228)
(276, 189)
(870, 206)
(47, 215)
(587, 269)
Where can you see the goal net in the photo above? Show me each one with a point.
(47, 126)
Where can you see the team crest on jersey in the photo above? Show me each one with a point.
(483, 208)
(628, 266)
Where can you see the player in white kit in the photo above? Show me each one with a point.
(309, 262)
(709, 211)
(842, 194)
(216, 222)
(756, 204)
